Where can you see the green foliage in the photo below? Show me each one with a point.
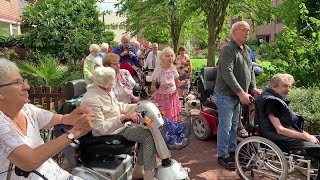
(295, 54)
(10, 41)
(306, 102)
(9, 54)
(309, 14)
(64, 28)
(156, 21)
(48, 70)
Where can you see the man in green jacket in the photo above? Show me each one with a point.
(235, 79)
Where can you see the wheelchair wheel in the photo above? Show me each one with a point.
(200, 127)
(258, 157)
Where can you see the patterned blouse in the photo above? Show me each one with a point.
(183, 65)
(123, 86)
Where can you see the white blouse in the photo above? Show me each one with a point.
(11, 138)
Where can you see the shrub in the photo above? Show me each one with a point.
(306, 102)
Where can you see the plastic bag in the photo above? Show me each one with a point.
(177, 135)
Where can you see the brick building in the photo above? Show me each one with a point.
(10, 11)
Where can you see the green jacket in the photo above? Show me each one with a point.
(88, 68)
(235, 72)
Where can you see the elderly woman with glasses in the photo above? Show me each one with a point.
(124, 83)
(21, 146)
(114, 117)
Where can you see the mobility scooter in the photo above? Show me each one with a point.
(111, 157)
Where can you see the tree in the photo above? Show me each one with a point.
(64, 28)
(153, 18)
(215, 11)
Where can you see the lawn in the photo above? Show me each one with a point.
(198, 63)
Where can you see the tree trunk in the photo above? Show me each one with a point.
(175, 33)
(211, 42)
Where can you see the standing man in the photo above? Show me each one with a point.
(151, 60)
(234, 80)
(128, 55)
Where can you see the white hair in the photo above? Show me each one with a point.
(166, 50)
(104, 46)
(136, 43)
(279, 79)
(6, 66)
(94, 47)
(103, 76)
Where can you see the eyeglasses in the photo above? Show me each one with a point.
(19, 82)
(244, 30)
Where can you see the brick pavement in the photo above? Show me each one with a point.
(201, 158)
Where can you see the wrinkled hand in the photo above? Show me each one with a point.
(312, 139)
(124, 53)
(71, 119)
(133, 116)
(83, 123)
(131, 54)
(245, 98)
(256, 92)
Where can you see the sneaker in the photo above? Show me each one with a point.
(226, 162)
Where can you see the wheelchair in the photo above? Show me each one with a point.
(205, 123)
(257, 157)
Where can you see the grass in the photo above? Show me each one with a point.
(198, 63)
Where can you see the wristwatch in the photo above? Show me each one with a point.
(74, 142)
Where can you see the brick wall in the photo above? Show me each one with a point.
(9, 10)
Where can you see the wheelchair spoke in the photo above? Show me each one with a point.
(257, 158)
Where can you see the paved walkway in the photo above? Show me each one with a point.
(201, 158)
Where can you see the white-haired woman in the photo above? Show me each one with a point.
(21, 145)
(92, 61)
(167, 97)
(111, 117)
(104, 49)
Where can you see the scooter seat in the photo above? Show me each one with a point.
(99, 147)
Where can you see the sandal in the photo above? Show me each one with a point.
(243, 133)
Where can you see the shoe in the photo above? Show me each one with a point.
(226, 162)
(243, 133)
(232, 156)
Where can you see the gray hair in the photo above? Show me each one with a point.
(94, 47)
(103, 76)
(6, 66)
(104, 46)
(279, 79)
(155, 45)
(166, 50)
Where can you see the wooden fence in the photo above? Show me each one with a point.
(48, 98)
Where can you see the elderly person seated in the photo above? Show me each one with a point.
(114, 117)
(279, 123)
(20, 142)
(124, 83)
(92, 61)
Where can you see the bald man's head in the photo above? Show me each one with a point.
(240, 32)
